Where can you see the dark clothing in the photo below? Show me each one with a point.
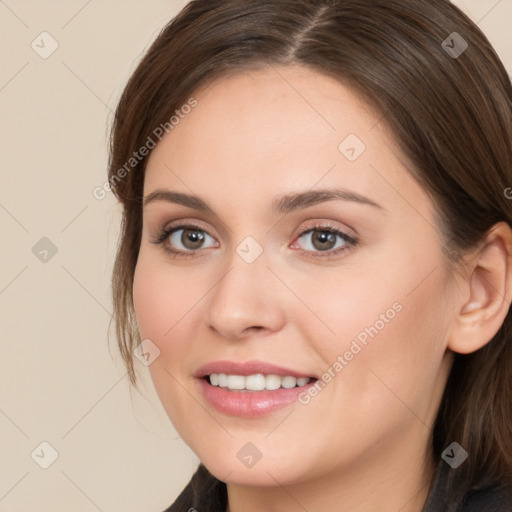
(205, 493)
(486, 497)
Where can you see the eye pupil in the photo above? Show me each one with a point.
(322, 237)
(193, 237)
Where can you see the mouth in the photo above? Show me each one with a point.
(256, 382)
(229, 393)
(253, 388)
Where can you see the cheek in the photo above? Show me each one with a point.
(164, 308)
(161, 296)
(398, 324)
(390, 332)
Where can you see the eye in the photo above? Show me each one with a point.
(189, 239)
(183, 240)
(325, 241)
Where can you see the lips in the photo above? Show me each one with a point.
(250, 403)
(248, 368)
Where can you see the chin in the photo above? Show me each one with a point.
(228, 467)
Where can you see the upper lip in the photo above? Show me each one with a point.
(247, 368)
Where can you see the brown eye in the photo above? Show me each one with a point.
(192, 238)
(323, 240)
(184, 240)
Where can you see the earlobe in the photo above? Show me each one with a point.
(489, 284)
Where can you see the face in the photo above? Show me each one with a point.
(314, 251)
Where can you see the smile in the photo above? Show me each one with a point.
(255, 382)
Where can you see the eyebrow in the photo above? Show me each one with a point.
(281, 205)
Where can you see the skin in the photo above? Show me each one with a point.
(360, 444)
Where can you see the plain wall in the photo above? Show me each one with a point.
(61, 382)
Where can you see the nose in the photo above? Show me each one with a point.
(246, 301)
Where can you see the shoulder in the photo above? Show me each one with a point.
(206, 493)
(489, 499)
(203, 493)
(449, 493)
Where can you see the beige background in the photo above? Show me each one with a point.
(60, 382)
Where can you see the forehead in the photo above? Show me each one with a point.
(271, 111)
(278, 129)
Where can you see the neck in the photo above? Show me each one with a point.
(386, 482)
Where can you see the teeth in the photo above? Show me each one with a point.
(256, 382)
(236, 382)
(272, 382)
(289, 382)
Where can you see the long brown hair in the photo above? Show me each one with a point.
(450, 113)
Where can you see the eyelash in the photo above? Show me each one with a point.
(160, 237)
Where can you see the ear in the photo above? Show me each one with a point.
(489, 284)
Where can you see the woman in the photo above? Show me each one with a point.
(315, 258)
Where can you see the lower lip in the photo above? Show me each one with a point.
(252, 403)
